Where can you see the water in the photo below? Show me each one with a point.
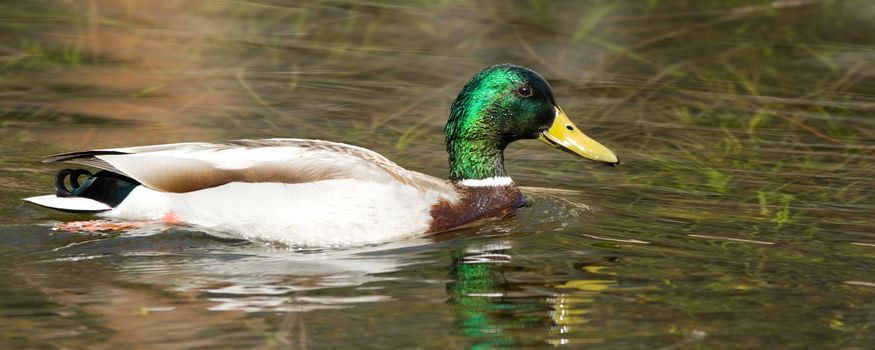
(741, 216)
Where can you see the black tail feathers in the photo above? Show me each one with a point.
(105, 186)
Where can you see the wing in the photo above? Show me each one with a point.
(185, 167)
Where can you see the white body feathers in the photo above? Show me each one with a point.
(322, 213)
(299, 192)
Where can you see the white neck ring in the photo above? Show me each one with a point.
(487, 182)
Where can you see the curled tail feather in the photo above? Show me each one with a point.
(80, 191)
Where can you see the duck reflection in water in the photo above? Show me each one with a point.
(497, 312)
(485, 312)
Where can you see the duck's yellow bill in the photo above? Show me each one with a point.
(563, 134)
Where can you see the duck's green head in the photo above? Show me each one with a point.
(502, 104)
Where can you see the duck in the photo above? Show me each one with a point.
(315, 193)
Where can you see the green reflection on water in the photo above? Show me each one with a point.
(477, 288)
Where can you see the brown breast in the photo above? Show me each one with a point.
(475, 203)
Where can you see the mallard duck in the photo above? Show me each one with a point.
(319, 193)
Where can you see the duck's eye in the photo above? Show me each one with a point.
(524, 91)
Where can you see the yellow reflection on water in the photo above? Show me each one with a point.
(570, 308)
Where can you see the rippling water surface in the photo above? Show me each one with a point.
(741, 217)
